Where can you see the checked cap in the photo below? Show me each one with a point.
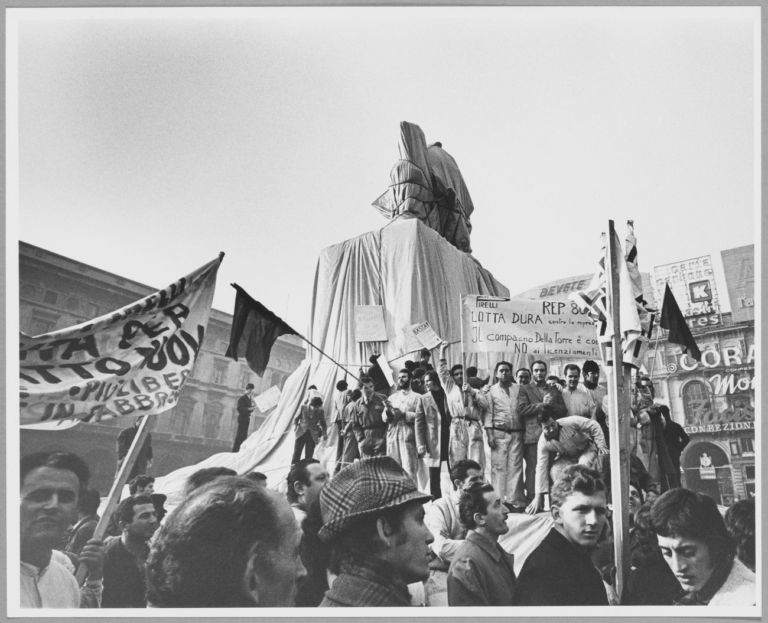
(365, 487)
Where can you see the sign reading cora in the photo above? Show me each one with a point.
(552, 328)
(133, 361)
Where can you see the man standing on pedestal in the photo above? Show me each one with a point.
(245, 407)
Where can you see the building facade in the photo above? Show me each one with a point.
(57, 292)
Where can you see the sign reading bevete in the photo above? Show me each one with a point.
(553, 328)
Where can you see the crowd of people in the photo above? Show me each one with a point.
(380, 531)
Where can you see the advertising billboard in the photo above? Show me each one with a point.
(739, 269)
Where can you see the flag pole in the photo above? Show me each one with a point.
(113, 498)
(618, 421)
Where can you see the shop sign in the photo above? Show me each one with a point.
(711, 358)
(720, 427)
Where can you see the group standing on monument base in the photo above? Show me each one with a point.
(379, 531)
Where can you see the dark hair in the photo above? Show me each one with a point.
(539, 361)
(460, 468)
(364, 379)
(256, 476)
(498, 365)
(199, 557)
(640, 491)
(342, 385)
(740, 523)
(685, 513)
(205, 475)
(406, 371)
(311, 387)
(434, 378)
(519, 370)
(356, 394)
(409, 365)
(571, 366)
(546, 412)
(88, 502)
(471, 371)
(124, 510)
(424, 352)
(316, 401)
(418, 373)
(56, 460)
(575, 478)
(141, 481)
(250, 386)
(644, 545)
(471, 501)
(298, 473)
(553, 377)
(455, 367)
(590, 366)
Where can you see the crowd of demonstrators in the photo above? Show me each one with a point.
(309, 428)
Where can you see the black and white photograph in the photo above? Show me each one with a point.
(383, 307)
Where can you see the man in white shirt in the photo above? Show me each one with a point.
(51, 483)
(577, 398)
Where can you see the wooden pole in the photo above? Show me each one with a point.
(618, 420)
(113, 499)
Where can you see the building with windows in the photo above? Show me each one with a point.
(56, 292)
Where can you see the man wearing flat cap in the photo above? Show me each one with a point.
(373, 520)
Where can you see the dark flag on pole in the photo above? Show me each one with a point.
(673, 321)
(254, 331)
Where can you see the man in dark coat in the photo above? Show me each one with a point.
(559, 572)
(245, 407)
(144, 458)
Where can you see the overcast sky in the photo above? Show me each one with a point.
(150, 140)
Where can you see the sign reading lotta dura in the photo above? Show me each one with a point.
(542, 328)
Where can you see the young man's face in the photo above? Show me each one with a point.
(144, 522)
(410, 551)
(458, 376)
(504, 374)
(146, 490)
(580, 518)
(689, 559)
(496, 515)
(367, 390)
(539, 373)
(550, 428)
(634, 499)
(523, 377)
(318, 477)
(48, 504)
(572, 378)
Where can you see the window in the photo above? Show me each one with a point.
(72, 304)
(220, 371)
(696, 403)
(747, 445)
(51, 297)
(749, 472)
(182, 415)
(212, 419)
(735, 450)
(28, 291)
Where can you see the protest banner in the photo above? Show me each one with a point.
(426, 335)
(553, 328)
(369, 324)
(132, 361)
(268, 399)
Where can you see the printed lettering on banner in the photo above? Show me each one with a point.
(268, 399)
(426, 335)
(133, 361)
(554, 328)
(369, 323)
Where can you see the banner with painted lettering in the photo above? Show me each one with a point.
(133, 361)
(546, 328)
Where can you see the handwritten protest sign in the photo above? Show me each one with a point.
(268, 399)
(369, 323)
(133, 361)
(542, 328)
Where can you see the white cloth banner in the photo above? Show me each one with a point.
(553, 328)
(132, 361)
(369, 323)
